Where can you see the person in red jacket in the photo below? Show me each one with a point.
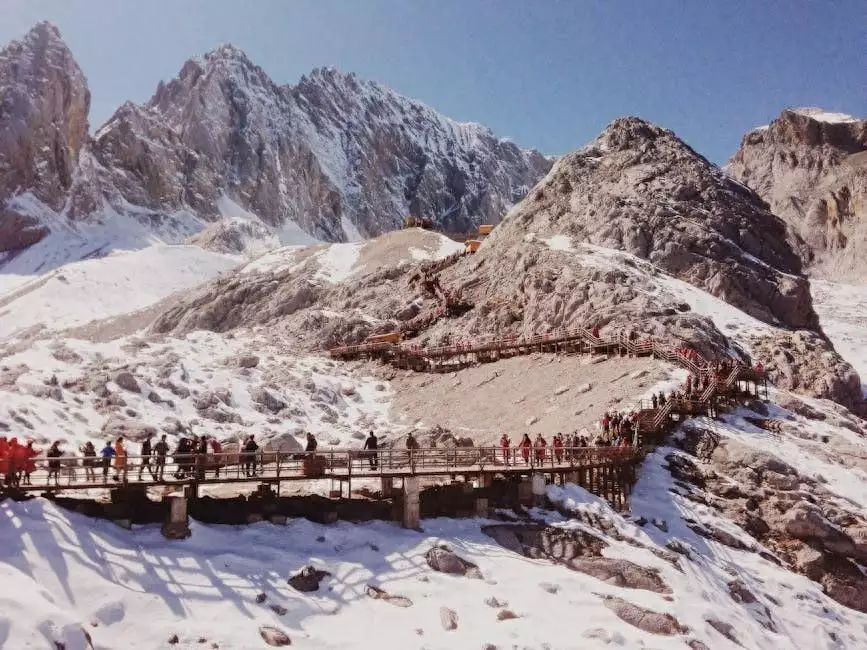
(558, 448)
(540, 446)
(505, 443)
(4, 459)
(17, 458)
(525, 445)
(29, 463)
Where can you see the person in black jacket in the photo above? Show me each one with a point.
(146, 452)
(182, 457)
(370, 445)
(201, 457)
(89, 452)
(311, 444)
(161, 449)
(250, 449)
(54, 455)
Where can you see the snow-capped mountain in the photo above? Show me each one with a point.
(810, 166)
(333, 158)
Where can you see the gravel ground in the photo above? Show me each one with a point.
(534, 394)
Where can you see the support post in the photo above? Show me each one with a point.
(483, 494)
(538, 485)
(387, 488)
(177, 526)
(411, 510)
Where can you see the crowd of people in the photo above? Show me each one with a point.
(561, 448)
(192, 457)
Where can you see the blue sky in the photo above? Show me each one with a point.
(549, 74)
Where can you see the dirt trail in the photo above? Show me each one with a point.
(483, 401)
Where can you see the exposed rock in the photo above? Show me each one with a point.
(621, 573)
(261, 598)
(495, 603)
(127, 381)
(644, 619)
(134, 430)
(380, 594)
(444, 560)
(308, 579)
(274, 637)
(726, 629)
(506, 615)
(247, 361)
(804, 362)
(448, 618)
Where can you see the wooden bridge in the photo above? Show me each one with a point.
(607, 471)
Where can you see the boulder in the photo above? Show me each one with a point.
(247, 361)
(621, 573)
(448, 618)
(125, 379)
(274, 637)
(308, 579)
(267, 398)
(644, 619)
(444, 560)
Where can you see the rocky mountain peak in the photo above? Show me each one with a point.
(44, 102)
(810, 165)
(640, 189)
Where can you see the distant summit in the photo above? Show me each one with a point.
(810, 165)
(331, 158)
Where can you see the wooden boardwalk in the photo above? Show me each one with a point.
(338, 465)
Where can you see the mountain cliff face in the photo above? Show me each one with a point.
(640, 189)
(332, 158)
(811, 168)
(44, 103)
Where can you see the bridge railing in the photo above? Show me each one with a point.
(238, 467)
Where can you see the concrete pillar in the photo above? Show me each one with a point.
(177, 526)
(387, 487)
(411, 510)
(525, 492)
(573, 477)
(482, 500)
(538, 486)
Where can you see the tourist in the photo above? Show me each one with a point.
(182, 458)
(370, 446)
(505, 443)
(4, 459)
(311, 443)
(201, 457)
(219, 461)
(16, 455)
(525, 446)
(606, 422)
(106, 453)
(146, 457)
(411, 442)
(250, 449)
(89, 462)
(29, 463)
(654, 401)
(54, 455)
(161, 449)
(558, 448)
(120, 460)
(540, 444)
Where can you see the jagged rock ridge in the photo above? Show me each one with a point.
(811, 168)
(44, 102)
(331, 158)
